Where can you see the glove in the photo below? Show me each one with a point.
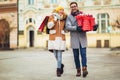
(95, 27)
(79, 29)
(56, 16)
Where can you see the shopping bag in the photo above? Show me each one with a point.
(43, 24)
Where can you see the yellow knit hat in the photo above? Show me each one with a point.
(59, 8)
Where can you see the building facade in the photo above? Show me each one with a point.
(106, 13)
(8, 24)
(31, 14)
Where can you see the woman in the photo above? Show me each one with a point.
(56, 43)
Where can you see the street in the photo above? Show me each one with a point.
(37, 64)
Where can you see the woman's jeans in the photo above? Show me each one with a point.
(58, 56)
(82, 52)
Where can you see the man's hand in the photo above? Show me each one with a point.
(79, 29)
(95, 27)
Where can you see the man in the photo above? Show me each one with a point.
(78, 40)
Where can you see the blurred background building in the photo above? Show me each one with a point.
(32, 12)
(8, 24)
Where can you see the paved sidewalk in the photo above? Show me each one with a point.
(36, 64)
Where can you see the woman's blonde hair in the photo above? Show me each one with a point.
(57, 9)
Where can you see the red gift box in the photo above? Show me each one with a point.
(79, 19)
(86, 21)
(92, 21)
(86, 24)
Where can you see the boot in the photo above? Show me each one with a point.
(62, 70)
(85, 72)
(58, 72)
(78, 72)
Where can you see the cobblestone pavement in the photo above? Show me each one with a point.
(36, 64)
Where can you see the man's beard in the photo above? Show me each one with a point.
(76, 12)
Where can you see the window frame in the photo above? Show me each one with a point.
(103, 19)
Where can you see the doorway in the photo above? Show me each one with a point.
(98, 45)
(4, 34)
(106, 43)
(31, 38)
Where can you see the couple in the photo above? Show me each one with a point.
(59, 22)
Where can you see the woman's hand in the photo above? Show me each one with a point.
(56, 16)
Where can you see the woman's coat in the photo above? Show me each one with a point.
(56, 34)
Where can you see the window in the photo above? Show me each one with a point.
(26, 21)
(34, 21)
(30, 20)
(80, 0)
(3, 0)
(89, 3)
(30, 2)
(76, 0)
(53, 1)
(103, 22)
(21, 32)
(97, 2)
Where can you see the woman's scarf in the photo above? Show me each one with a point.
(60, 17)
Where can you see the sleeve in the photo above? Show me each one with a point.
(69, 26)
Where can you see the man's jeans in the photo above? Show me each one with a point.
(58, 56)
(82, 52)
